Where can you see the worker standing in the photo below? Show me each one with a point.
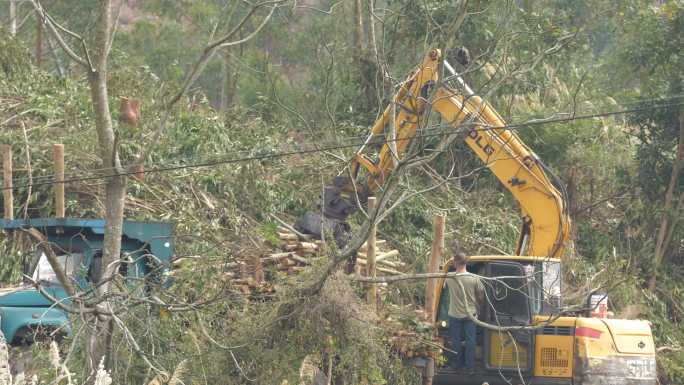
(466, 292)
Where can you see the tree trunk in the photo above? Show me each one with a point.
(662, 241)
(100, 338)
(227, 84)
(661, 245)
(56, 59)
(13, 17)
(451, 34)
(364, 64)
(373, 75)
(372, 37)
(39, 41)
(358, 32)
(99, 345)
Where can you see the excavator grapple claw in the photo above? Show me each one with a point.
(319, 227)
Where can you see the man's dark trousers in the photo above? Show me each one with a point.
(457, 328)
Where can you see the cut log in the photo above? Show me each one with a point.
(300, 259)
(224, 266)
(287, 262)
(378, 242)
(364, 262)
(389, 271)
(389, 254)
(277, 256)
(290, 247)
(288, 236)
(383, 269)
(308, 246)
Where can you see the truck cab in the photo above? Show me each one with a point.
(26, 315)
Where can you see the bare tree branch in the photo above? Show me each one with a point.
(53, 27)
(198, 67)
(45, 245)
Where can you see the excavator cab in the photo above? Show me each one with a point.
(517, 291)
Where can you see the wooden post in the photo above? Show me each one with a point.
(58, 157)
(7, 191)
(433, 265)
(370, 256)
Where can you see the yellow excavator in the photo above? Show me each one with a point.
(530, 339)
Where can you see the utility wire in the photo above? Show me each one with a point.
(276, 155)
(79, 173)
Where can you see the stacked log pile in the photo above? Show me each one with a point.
(295, 254)
(299, 248)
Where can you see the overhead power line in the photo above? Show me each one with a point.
(276, 155)
(36, 179)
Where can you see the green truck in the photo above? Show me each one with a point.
(25, 314)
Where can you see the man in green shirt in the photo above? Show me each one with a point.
(466, 293)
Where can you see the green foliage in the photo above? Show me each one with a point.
(14, 60)
(12, 267)
(650, 50)
(336, 322)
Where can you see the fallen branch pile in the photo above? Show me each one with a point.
(406, 329)
(409, 334)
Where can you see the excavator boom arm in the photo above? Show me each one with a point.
(546, 223)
